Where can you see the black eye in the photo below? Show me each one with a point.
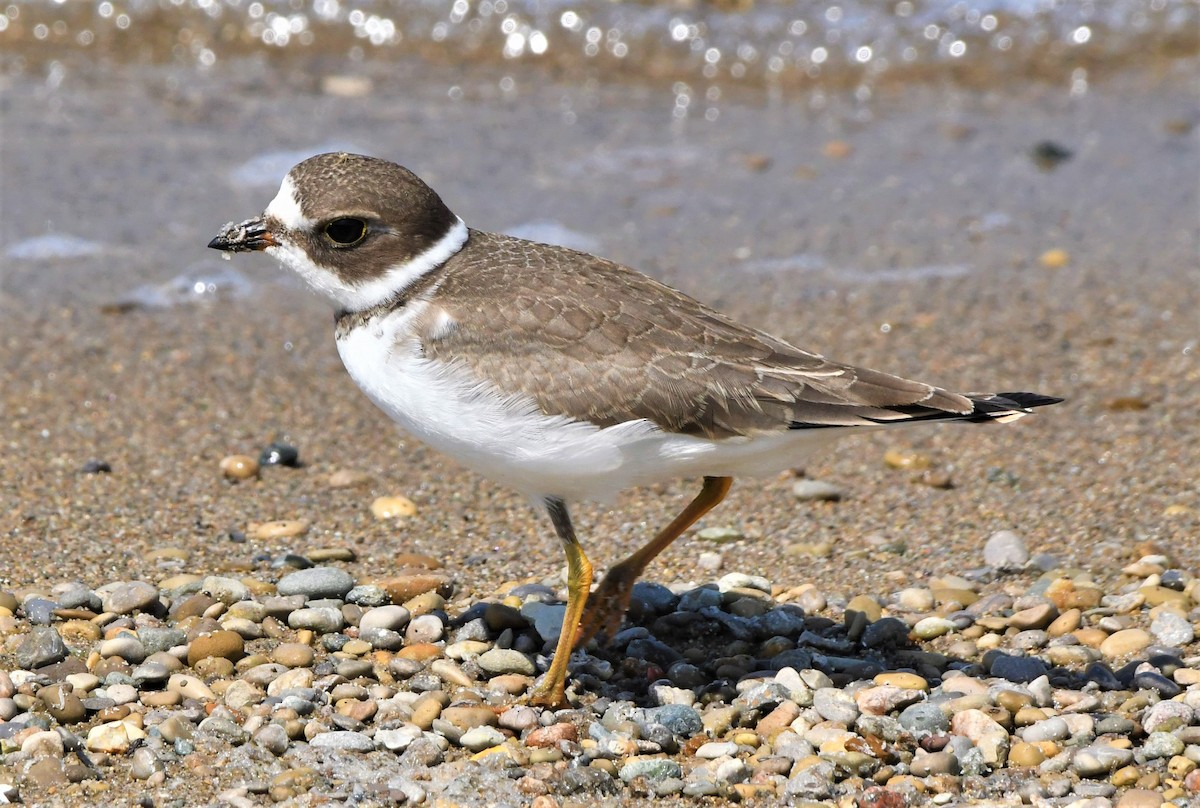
(346, 232)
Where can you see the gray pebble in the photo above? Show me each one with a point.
(39, 610)
(499, 661)
(682, 720)
(835, 705)
(547, 618)
(383, 638)
(1161, 745)
(160, 638)
(817, 491)
(653, 769)
(77, 596)
(343, 740)
(273, 738)
(424, 628)
(813, 783)
(125, 597)
(1005, 550)
(144, 763)
(924, 717)
(367, 596)
(317, 582)
(1171, 629)
(477, 739)
(42, 647)
(322, 620)
(1048, 729)
(1099, 760)
(225, 590)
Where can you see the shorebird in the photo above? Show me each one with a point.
(561, 374)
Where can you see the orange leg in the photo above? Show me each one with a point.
(611, 599)
(552, 691)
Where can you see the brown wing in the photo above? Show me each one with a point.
(594, 340)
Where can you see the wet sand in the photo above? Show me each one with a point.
(906, 239)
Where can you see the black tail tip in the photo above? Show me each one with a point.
(1025, 401)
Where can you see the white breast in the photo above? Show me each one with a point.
(508, 439)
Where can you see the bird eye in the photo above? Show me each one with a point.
(346, 232)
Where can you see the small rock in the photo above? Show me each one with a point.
(482, 737)
(653, 769)
(43, 646)
(816, 491)
(1005, 550)
(344, 741)
(280, 454)
(220, 644)
(114, 737)
(128, 596)
(317, 582)
(239, 467)
(499, 661)
(393, 507)
(1171, 629)
(1125, 642)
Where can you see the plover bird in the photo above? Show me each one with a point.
(560, 374)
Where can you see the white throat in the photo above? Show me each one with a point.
(355, 296)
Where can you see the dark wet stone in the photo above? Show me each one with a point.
(782, 621)
(1166, 663)
(1016, 668)
(96, 467)
(1152, 680)
(653, 651)
(292, 560)
(279, 454)
(656, 597)
(796, 658)
(1174, 579)
(1101, 675)
(42, 647)
(685, 674)
(885, 632)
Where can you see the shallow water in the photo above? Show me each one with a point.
(807, 43)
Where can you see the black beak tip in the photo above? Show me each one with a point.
(250, 235)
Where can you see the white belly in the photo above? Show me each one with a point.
(508, 439)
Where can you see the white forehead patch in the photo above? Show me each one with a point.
(286, 210)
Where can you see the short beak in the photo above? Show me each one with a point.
(246, 236)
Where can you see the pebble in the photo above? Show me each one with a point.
(239, 467)
(222, 644)
(43, 646)
(1005, 551)
(1172, 630)
(343, 740)
(1125, 642)
(128, 596)
(816, 491)
(393, 507)
(503, 660)
(316, 582)
(768, 701)
(279, 454)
